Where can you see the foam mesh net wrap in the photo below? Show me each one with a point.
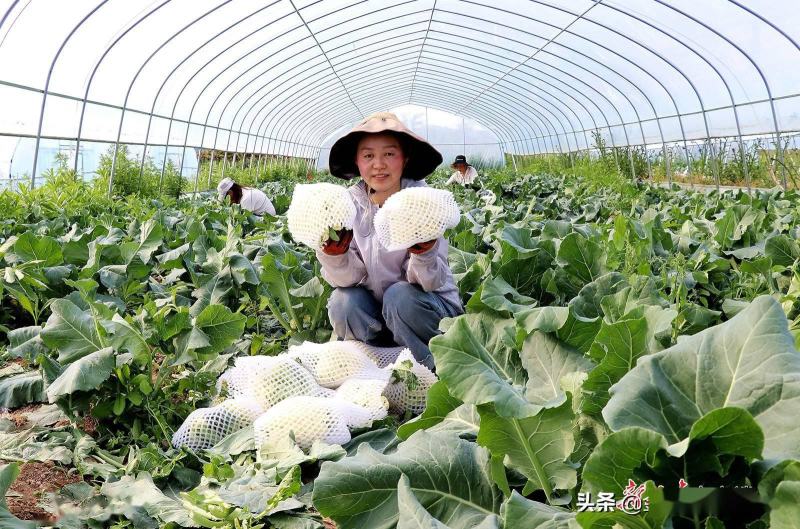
(414, 215)
(382, 356)
(268, 380)
(366, 393)
(285, 393)
(317, 207)
(401, 397)
(205, 427)
(332, 363)
(311, 419)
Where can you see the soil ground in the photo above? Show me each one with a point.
(36, 479)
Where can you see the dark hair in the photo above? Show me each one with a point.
(235, 193)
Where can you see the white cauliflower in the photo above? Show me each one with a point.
(414, 215)
(311, 419)
(409, 385)
(382, 356)
(367, 394)
(316, 209)
(268, 380)
(332, 363)
(205, 427)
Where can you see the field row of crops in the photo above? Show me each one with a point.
(619, 341)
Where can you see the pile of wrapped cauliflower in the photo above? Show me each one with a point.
(314, 392)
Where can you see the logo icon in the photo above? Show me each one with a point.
(632, 501)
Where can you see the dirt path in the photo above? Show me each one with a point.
(35, 479)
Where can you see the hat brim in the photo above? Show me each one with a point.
(423, 158)
(222, 193)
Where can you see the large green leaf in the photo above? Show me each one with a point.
(126, 337)
(242, 269)
(545, 319)
(748, 362)
(221, 326)
(147, 242)
(587, 305)
(214, 289)
(460, 262)
(477, 361)
(275, 276)
(642, 291)
(780, 488)
(113, 276)
(26, 342)
(132, 494)
(536, 446)
(70, 331)
(283, 454)
(619, 458)
(37, 444)
(414, 516)
(783, 250)
(99, 246)
(548, 361)
(623, 455)
(582, 258)
(498, 295)
(173, 258)
(439, 404)
(361, 491)
(520, 512)
(84, 374)
(188, 343)
(294, 521)
(616, 347)
(577, 332)
(260, 490)
(21, 389)
(463, 421)
(45, 249)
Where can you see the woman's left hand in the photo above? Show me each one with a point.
(422, 247)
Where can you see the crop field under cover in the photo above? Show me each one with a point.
(613, 333)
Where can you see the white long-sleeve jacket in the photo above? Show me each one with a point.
(465, 179)
(256, 201)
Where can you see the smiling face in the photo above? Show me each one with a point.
(380, 160)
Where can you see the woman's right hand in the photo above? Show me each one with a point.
(331, 247)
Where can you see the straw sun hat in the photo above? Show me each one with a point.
(421, 155)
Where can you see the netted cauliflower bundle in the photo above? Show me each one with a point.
(310, 419)
(205, 427)
(414, 215)
(367, 394)
(382, 356)
(318, 208)
(268, 380)
(409, 385)
(332, 363)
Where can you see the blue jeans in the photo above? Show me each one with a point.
(409, 317)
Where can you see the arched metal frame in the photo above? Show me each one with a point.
(532, 106)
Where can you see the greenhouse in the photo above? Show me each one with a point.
(451, 264)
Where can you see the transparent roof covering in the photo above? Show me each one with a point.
(284, 76)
